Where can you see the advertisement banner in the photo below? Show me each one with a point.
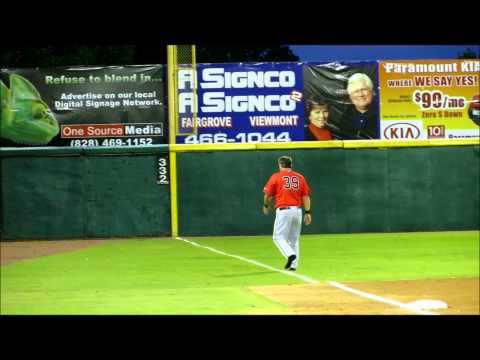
(257, 102)
(83, 106)
(347, 95)
(425, 99)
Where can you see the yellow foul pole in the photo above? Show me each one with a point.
(172, 125)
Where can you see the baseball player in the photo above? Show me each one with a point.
(291, 191)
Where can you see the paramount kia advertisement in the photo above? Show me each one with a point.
(83, 106)
(428, 99)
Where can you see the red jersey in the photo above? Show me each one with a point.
(288, 187)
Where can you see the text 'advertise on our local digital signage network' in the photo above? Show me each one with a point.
(83, 106)
(240, 103)
(428, 99)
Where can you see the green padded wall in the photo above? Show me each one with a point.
(366, 190)
(42, 197)
(83, 195)
(327, 207)
(220, 193)
(354, 190)
(455, 187)
(80, 195)
(123, 199)
(410, 179)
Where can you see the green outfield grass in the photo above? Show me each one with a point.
(164, 276)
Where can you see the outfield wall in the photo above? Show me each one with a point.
(376, 186)
(390, 189)
(56, 193)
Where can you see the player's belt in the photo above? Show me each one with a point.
(287, 207)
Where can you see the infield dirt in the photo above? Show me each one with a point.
(461, 296)
(12, 251)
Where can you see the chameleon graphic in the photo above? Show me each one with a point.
(25, 117)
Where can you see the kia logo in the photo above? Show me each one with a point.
(401, 131)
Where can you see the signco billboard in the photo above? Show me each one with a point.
(241, 103)
(268, 102)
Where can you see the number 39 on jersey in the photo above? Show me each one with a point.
(290, 182)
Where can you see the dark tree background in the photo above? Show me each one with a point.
(80, 54)
(105, 55)
(245, 53)
(469, 54)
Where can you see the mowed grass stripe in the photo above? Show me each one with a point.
(161, 275)
(134, 264)
(175, 301)
(135, 277)
(375, 256)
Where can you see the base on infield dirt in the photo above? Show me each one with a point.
(461, 295)
(428, 304)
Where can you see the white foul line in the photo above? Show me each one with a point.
(290, 273)
(313, 281)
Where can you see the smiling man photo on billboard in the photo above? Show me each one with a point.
(360, 121)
